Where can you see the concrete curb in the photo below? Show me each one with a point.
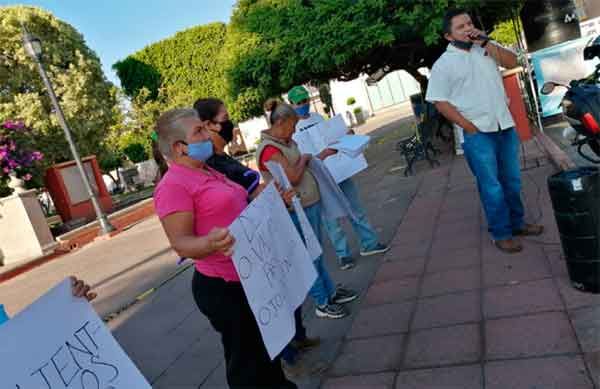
(83, 235)
(557, 156)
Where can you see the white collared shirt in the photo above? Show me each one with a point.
(471, 82)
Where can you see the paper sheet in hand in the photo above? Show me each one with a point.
(273, 265)
(351, 145)
(313, 140)
(310, 239)
(59, 341)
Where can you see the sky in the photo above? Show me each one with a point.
(117, 28)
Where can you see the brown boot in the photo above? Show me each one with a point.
(529, 230)
(509, 246)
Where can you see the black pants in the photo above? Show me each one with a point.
(247, 361)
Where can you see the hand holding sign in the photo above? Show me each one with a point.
(221, 241)
(81, 289)
(60, 342)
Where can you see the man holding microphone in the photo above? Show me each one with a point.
(466, 87)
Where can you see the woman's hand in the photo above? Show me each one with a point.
(286, 195)
(220, 240)
(81, 289)
(326, 153)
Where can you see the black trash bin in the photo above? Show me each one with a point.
(575, 198)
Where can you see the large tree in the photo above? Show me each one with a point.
(87, 98)
(175, 71)
(275, 44)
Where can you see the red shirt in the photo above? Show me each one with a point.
(266, 155)
(213, 200)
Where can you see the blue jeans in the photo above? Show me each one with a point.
(323, 289)
(362, 227)
(494, 160)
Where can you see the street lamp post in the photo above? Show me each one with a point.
(33, 46)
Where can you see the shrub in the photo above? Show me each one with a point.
(136, 152)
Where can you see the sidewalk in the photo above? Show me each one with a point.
(448, 310)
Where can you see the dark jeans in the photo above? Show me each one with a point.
(494, 160)
(247, 362)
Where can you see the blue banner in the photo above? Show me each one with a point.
(561, 63)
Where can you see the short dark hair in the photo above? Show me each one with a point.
(451, 14)
(208, 108)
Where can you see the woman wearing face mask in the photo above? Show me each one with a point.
(276, 145)
(195, 204)
(215, 111)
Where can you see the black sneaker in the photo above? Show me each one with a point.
(331, 311)
(347, 263)
(343, 296)
(379, 249)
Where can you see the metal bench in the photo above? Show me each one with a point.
(420, 146)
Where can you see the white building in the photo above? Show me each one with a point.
(395, 88)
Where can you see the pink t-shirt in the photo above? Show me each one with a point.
(214, 200)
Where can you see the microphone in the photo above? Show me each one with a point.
(480, 37)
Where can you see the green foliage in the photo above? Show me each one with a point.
(271, 45)
(86, 97)
(275, 44)
(351, 101)
(175, 71)
(357, 110)
(135, 152)
(504, 32)
(111, 160)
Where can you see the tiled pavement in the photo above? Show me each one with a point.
(446, 310)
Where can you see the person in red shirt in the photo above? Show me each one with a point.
(276, 145)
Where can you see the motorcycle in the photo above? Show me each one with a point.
(581, 105)
(575, 194)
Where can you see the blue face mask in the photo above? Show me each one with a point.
(200, 151)
(303, 110)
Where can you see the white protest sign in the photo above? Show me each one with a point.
(60, 342)
(310, 239)
(273, 265)
(325, 134)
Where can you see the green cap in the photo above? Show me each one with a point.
(297, 94)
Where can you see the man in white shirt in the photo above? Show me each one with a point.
(369, 242)
(466, 87)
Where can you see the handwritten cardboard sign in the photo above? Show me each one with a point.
(60, 342)
(274, 266)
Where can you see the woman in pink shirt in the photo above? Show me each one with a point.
(196, 204)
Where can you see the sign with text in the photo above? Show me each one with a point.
(274, 266)
(60, 342)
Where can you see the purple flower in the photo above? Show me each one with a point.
(37, 156)
(27, 177)
(14, 125)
